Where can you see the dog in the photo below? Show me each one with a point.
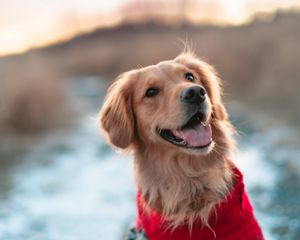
(172, 118)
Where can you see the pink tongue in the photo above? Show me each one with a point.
(196, 137)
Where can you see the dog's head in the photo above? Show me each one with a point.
(175, 104)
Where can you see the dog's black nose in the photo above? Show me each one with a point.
(194, 95)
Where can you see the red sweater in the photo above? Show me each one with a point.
(234, 220)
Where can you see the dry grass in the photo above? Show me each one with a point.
(31, 97)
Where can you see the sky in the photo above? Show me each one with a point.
(30, 23)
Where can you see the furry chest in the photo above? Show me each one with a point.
(232, 219)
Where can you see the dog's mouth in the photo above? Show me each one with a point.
(194, 134)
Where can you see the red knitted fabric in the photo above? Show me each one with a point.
(234, 220)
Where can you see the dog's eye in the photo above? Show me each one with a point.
(151, 92)
(190, 77)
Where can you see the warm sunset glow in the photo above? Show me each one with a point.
(32, 23)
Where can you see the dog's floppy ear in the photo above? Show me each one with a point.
(212, 83)
(116, 116)
(220, 112)
(210, 80)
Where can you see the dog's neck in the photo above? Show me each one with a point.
(183, 186)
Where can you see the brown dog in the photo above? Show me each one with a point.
(172, 118)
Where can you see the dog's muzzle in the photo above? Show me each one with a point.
(193, 95)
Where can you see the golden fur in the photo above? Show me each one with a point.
(182, 184)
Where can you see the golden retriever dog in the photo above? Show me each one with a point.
(171, 117)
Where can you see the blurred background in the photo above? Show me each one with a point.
(58, 178)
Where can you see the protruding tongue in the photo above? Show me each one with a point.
(197, 136)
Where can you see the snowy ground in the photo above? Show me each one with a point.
(78, 190)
